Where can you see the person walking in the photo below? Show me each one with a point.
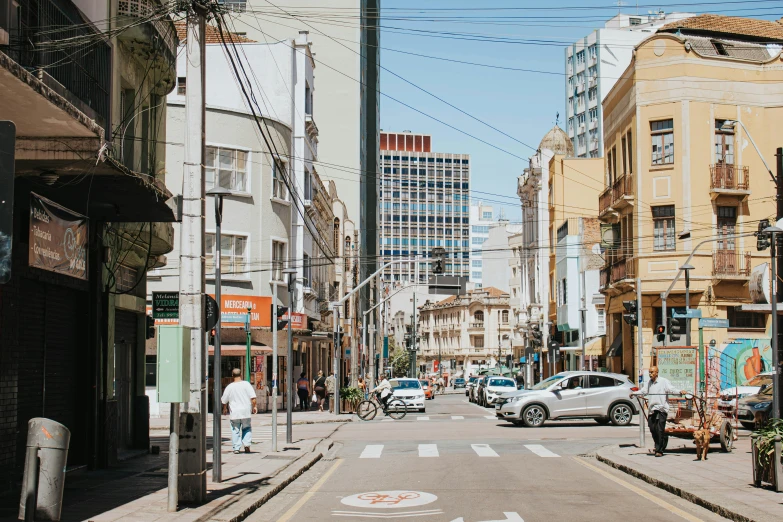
(657, 392)
(330, 384)
(367, 386)
(520, 380)
(441, 385)
(361, 386)
(239, 398)
(303, 391)
(319, 386)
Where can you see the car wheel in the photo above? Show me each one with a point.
(534, 416)
(726, 436)
(603, 420)
(621, 414)
(748, 425)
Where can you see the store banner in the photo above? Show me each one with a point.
(260, 309)
(58, 238)
(298, 321)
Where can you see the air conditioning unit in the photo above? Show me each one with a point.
(3, 36)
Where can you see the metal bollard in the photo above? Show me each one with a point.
(44, 470)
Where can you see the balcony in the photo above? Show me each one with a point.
(731, 264)
(312, 132)
(618, 196)
(475, 327)
(158, 32)
(729, 180)
(617, 273)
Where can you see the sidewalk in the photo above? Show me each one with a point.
(722, 484)
(264, 419)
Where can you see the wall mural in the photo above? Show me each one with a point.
(751, 357)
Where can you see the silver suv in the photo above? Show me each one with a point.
(604, 397)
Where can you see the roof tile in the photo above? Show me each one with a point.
(733, 25)
(212, 35)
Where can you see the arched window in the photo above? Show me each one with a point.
(478, 317)
(337, 234)
(504, 317)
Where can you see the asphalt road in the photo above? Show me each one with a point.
(453, 463)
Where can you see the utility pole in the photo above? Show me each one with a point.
(274, 369)
(778, 294)
(289, 367)
(640, 342)
(190, 427)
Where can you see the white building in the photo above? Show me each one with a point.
(593, 65)
(495, 255)
(482, 218)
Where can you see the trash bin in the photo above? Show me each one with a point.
(44, 470)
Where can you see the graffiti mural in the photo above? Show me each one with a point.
(752, 357)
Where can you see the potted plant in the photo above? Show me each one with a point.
(351, 397)
(767, 458)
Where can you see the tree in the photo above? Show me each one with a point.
(399, 359)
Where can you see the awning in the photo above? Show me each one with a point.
(595, 347)
(241, 349)
(614, 349)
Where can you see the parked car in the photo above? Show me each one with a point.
(475, 392)
(410, 391)
(495, 388)
(426, 385)
(470, 385)
(605, 397)
(459, 382)
(754, 410)
(727, 403)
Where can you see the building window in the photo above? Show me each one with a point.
(724, 143)
(279, 169)
(478, 342)
(476, 263)
(629, 145)
(727, 224)
(739, 319)
(662, 142)
(181, 81)
(228, 166)
(663, 232)
(504, 317)
(127, 278)
(625, 156)
(233, 253)
(601, 323)
(478, 317)
(486, 215)
(278, 258)
(635, 21)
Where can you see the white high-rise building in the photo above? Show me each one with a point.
(593, 65)
(482, 218)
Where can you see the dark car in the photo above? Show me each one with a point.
(754, 410)
(478, 393)
(459, 383)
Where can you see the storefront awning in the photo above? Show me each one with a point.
(241, 349)
(614, 349)
(595, 347)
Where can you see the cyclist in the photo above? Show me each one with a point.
(384, 391)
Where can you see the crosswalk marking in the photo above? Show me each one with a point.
(483, 450)
(457, 417)
(540, 450)
(422, 418)
(428, 450)
(372, 451)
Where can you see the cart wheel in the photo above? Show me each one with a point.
(726, 436)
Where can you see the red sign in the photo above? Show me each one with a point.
(435, 365)
(260, 309)
(298, 322)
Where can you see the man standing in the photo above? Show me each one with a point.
(330, 382)
(657, 392)
(240, 398)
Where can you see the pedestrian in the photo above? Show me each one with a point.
(303, 391)
(657, 392)
(441, 385)
(330, 383)
(319, 385)
(239, 398)
(520, 380)
(367, 386)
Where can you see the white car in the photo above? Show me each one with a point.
(410, 391)
(729, 397)
(495, 387)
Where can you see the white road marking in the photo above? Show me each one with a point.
(387, 420)
(428, 450)
(490, 417)
(457, 417)
(540, 450)
(422, 418)
(372, 451)
(401, 514)
(483, 450)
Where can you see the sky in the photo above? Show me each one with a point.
(520, 105)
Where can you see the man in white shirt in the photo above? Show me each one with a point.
(384, 389)
(657, 392)
(240, 398)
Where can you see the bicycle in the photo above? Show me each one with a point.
(368, 408)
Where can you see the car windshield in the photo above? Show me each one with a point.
(502, 382)
(473, 379)
(543, 385)
(405, 385)
(424, 384)
(459, 380)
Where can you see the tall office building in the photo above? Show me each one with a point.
(482, 218)
(424, 203)
(593, 65)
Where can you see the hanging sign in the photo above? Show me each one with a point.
(58, 238)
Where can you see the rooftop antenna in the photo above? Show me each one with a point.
(557, 118)
(620, 4)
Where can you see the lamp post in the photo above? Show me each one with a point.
(219, 193)
(773, 296)
(687, 267)
(289, 367)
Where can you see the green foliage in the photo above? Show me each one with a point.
(352, 395)
(400, 362)
(765, 440)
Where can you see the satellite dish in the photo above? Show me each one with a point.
(596, 249)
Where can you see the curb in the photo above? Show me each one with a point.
(295, 423)
(690, 497)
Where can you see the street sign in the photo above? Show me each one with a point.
(709, 322)
(212, 312)
(690, 313)
(233, 318)
(165, 305)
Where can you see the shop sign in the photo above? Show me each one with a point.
(297, 321)
(165, 305)
(232, 305)
(58, 238)
(678, 365)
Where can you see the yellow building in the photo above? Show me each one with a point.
(682, 175)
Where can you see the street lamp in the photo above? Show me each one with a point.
(773, 295)
(687, 267)
(219, 193)
(289, 368)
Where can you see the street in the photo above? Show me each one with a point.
(456, 463)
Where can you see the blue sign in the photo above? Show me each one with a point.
(522, 360)
(710, 322)
(690, 313)
(234, 318)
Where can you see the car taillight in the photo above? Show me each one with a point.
(635, 389)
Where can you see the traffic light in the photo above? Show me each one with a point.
(438, 260)
(280, 312)
(661, 332)
(762, 238)
(150, 327)
(632, 315)
(538, 335)
(211, 337)
(675, 329)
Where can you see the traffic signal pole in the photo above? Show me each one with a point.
(639, 342)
